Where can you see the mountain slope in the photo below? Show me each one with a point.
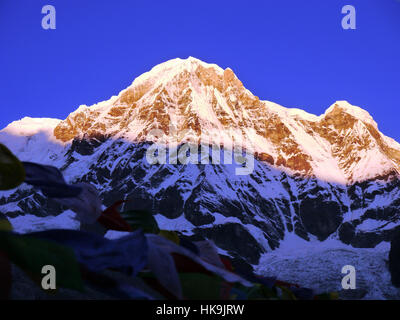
(333, 175)
(202, 101)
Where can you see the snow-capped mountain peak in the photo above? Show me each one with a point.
(203, 102)
(28, 126)
(356, 112)
(32, 139)
(332, 175)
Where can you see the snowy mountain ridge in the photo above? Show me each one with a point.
(316, 177)
(201, 101)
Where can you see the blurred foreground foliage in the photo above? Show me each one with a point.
(143, 263)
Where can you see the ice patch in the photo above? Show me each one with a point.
(31, 223)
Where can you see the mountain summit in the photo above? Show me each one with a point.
(315, 177)
(202, 100)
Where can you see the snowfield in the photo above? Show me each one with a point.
(318, 265)
(31, 223)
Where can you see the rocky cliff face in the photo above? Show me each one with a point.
(333, 175)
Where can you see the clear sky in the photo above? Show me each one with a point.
(294, 53)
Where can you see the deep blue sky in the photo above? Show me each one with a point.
(292, 52)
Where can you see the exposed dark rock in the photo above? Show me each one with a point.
(139, 199)
(234, 237)
(169, 202)
(197, 217)
(394, 260)
(38, 205)
(347, 232)
(320, 218)
(299, 230)
(272, 242)
(386, 213)
(85, 146)
(241, 266)
(366, 239)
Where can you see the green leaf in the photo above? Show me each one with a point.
(170, 235)
(32, 254)
(286, 294)
(12, 172)
(259, 292)
(198, 286)
(141, 219)
(327, 296)
(5, 276)
(5, 225)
